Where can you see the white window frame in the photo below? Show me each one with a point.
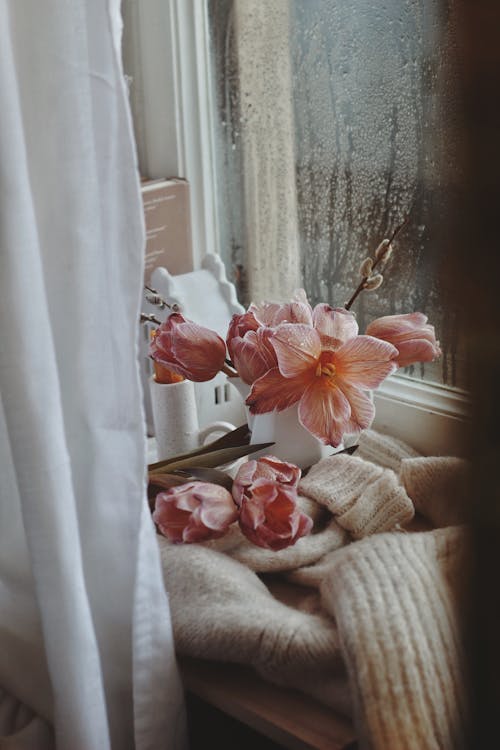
(177, 117)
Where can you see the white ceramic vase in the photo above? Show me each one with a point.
(292, 442)
(243, 389)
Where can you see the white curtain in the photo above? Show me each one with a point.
(86, 652)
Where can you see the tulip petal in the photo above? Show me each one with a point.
(335, 325)
(239, 325)
(272, 314)
(365, 361)
(280, 471)
(324, 411)
(219, 514)
(273, 391)
(362, 408)
(417, 350)
(298, 348)
(253, 354)
(271, 518)
(411, 335)
(391, 326)
(200, 351)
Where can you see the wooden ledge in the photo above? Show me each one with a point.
(291, 719)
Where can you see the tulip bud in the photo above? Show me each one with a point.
(188, 349)
(253, 354)
(267, 467)
(410, 333)
(270, 517)
(194, 512)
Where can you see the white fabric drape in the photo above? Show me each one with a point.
(86, 652)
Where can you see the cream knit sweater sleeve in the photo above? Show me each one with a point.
(394, 599)
(364, 498)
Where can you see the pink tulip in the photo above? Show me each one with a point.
(194, 512)
(268, 468)
(238, 327)
(271, 314)
(325, 369)
(334, 325)
(188, 349)
(412, 336)
(270, 517)
(253, 355)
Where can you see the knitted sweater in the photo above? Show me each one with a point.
(360, 614)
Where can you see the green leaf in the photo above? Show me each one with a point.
(238, 437)
(209, 460)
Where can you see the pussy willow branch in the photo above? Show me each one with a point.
(145, 318)
(163, 302)
(158, 302)
(378, 260)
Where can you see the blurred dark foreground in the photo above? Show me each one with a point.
(473, 267)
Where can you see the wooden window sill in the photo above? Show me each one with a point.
(287, 717)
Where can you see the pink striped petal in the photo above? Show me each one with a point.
(273, 391)
(298, 348)
(362, 409)
(365, 361)
(324, 411)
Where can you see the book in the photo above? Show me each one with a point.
(168, 226)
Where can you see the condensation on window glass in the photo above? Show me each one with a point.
(336, 121)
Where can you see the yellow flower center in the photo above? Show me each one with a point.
(326, 368)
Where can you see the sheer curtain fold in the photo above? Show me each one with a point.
(84, 621)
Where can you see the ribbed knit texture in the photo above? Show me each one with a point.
(364, 498)
(393, 598)
(439, 488)
(383, 450)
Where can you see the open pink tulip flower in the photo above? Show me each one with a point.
(194, 512)
(270, 518)
(325, 369)
(189, 349)
(253, 355)
(269, 468)
(412, 336)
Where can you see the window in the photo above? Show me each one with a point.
(334, 121)
(345, 81)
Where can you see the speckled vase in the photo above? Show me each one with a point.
(175, 417)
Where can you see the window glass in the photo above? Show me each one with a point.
(335, 121)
